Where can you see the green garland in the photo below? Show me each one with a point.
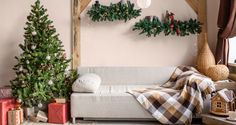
(118, 11)
(169, 26)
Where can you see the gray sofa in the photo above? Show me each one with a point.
(112, 101)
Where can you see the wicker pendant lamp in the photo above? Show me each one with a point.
(205, 57)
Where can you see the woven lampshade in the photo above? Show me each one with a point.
(218, 72)
(205, 57)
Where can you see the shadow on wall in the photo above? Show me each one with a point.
(7, 72)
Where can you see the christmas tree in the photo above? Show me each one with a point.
(41, 72)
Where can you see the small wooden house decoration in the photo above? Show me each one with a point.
(223, 102)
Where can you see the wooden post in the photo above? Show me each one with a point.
(78, 7)
(199, 7)
(76, 34)
(193, 4)
(203, 19)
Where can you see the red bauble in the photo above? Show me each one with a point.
(171, 15)
(178, 32)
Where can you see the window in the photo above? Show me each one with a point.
(232, 50)
(218, 104)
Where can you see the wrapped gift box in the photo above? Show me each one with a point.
(5, 92)
(58, 113)
(5, 106)
(15, 117)
(60, 100)
(42, 116)
(28, 111)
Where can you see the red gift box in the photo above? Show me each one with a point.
(58, 113)
(5, 106)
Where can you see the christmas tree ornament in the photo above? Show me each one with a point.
(27, 62)
(64, 55)
(67, 72)
(50, 82)
(21, 68)
(34, 33)
(19, 100)
(33, 47)
(40, 105)
(144, 3)
(48, 57)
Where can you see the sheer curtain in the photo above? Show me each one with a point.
(227, 29)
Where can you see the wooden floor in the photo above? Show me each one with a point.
(98, 123)
(101, 123)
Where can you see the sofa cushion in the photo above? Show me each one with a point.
(130, 75)
(89, 82)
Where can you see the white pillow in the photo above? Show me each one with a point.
(89, 82)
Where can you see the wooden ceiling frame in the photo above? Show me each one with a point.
(198, 6)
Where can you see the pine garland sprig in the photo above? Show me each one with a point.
(117, 11)
(154, 26)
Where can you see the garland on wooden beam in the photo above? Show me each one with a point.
(153, 26)
(118, 11)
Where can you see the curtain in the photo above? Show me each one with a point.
(227, 29)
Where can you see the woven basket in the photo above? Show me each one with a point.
(205, 57)
(218, 72)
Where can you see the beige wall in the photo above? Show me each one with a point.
(104, 44)
(212, 15)
(114, 43)
(13, 15)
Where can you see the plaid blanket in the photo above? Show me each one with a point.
(176, 100)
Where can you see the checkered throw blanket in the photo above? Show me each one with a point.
(176, 100)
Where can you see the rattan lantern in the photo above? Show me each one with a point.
(218, 72)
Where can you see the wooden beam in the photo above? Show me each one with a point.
(84, 4)
(199, 6)
(193, 4)
(202, 11)
(78, 8)
(76, 34)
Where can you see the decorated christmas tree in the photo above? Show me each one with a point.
(41, 72)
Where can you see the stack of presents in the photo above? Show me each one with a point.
(11, 112)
